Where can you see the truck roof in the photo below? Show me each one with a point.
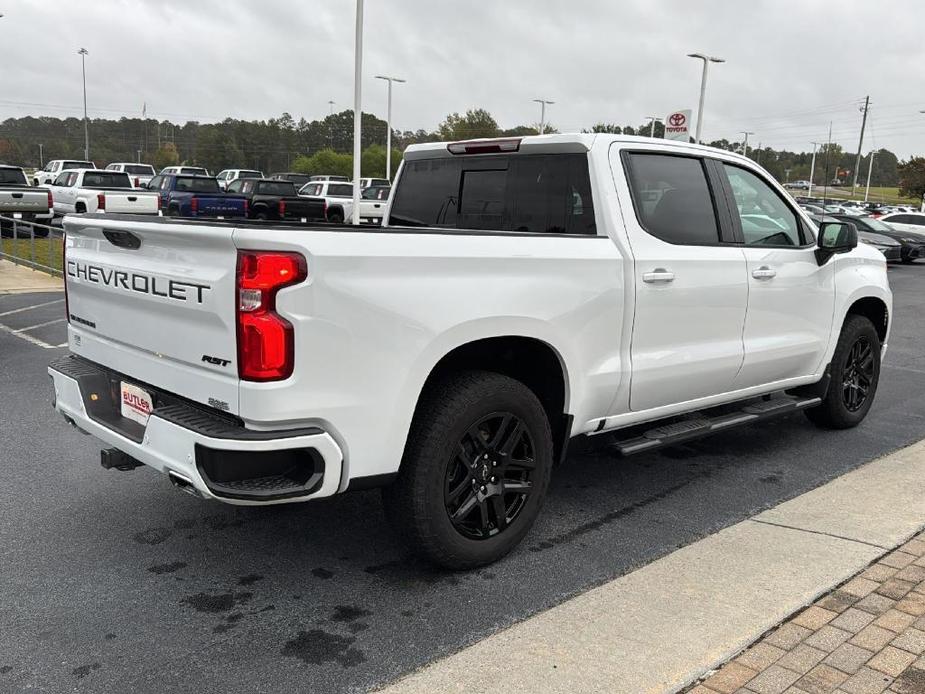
(558, 143)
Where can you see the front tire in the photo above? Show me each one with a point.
(475, 470)
(855, 372)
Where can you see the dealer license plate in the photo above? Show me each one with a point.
(137, 404)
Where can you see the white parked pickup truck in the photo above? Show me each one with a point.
(97, 190)
(140, 174)
(47, 175)
(520, 293)
(338, 198)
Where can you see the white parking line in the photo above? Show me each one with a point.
(28, 338)
(40, 325)
(29, 308)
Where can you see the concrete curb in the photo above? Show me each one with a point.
(660, 628)
(17, 279)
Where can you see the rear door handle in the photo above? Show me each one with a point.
(659, 274)
(764, 273)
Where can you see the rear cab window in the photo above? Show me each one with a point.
(106, 179)
(12, 177)
(531, 193)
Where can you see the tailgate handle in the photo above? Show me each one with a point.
(17, 195)
(123, 239)
(132, 198)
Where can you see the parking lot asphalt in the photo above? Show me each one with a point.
(115, 581)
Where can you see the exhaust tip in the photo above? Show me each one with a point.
(182, 483)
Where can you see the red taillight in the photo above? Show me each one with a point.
(194, 206)
(484, 146)
(282, 209)
(51, 201)
(101, 202)
(137, 182)
(265, 341)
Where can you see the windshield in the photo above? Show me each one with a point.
(12, 177)
(249, 174)
(877, 225)
(139, 169)
(77, 165)
(106, 179)
(193, 171)
(197, 184)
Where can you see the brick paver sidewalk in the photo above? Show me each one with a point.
(865, 637)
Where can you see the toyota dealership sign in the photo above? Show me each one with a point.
(677, 126)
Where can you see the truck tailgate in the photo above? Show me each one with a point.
(155, 300)
(220, 206)
(19, 200)
(131, 202)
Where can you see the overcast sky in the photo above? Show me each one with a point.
(791, 66)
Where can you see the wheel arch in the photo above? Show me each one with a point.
(528, 359)
(874, 309)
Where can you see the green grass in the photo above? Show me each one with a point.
(47, 251)
(877, 194)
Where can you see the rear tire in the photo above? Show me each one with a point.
(475, 470)
(855, 371)
(336, 217)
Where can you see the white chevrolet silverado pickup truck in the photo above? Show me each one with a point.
(521, 292)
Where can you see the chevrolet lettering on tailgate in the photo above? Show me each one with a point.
(136, 282)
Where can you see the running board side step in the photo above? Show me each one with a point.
(700, 424)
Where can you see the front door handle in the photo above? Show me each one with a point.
(659, 274)
(764, 273)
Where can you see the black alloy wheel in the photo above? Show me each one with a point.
(858, 374)
(489, 479)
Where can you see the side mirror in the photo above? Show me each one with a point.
(835, 237)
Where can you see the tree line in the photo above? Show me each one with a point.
(325, 145)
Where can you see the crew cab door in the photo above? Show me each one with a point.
(689, 276)
(791, 299)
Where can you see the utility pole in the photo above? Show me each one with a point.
(654, 119)
(138, 152)
(758, 155)
(357, 111)
(812, 170)
(331, 104)
(745, 143)
(542, 103)
(331, 127)
(857, 161)
(388, 124)
(41, 156)
(870, 167)
(703, 87)
(83, 53)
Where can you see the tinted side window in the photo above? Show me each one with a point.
(540, 193)
(672, 198)
(766, 219)
(155, 182)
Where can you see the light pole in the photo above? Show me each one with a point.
(812, 170)
(654, 119)
(331, 104)
(388, 124)
(870, 167)
(41, 156)
(83, 53)
(357, 111)
(707, 59)
(543, 103)
(745, 143)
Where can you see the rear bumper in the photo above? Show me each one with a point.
(210, 454)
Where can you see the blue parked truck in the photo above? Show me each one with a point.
(196, 196)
